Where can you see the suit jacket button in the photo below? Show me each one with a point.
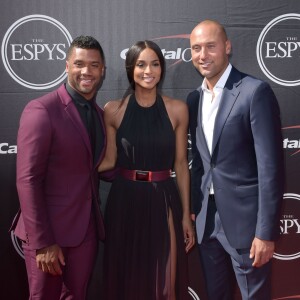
(212, 166)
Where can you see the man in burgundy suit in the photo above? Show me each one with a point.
(61, 141)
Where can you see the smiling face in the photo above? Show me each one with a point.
(85, 69)
(147, 70)
(210, 51)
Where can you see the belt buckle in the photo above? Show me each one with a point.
(142, 175)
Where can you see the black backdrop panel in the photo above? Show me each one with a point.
(34, 36)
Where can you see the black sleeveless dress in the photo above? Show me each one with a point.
(137, 246)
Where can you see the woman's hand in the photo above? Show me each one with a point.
(188, 233)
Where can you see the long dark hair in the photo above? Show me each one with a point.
(133, 54)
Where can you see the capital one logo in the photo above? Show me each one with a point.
(34, 51)
(278, 50)
(287, 247)
(5, 148)
(175, 49)
(190, 158)
(291, 143)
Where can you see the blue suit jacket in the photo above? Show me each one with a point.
(246, 165)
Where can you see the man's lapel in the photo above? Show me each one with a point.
(201, 140)
(74, 116)
(229, 96)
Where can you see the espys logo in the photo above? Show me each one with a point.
(33, 50)
(16, 241)
(190, 156)
(175, 51)
(287, 247)
(193, 294)
(17, 244)
(278, 50)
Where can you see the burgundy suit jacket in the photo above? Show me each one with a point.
(57, 182)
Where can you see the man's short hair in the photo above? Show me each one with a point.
(86, 42)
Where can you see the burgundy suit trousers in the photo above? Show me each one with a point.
(72, 285)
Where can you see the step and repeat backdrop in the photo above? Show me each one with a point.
(34, 37)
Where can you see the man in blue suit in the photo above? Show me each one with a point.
(237, 170)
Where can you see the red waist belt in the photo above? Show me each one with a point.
(139, 175)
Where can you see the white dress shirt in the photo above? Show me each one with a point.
(210, 105)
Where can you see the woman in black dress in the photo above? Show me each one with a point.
(148, 224)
